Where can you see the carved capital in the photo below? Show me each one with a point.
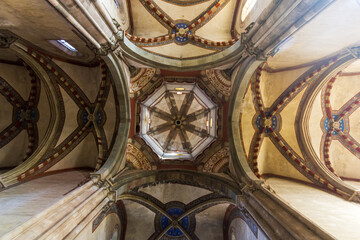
(6, 40)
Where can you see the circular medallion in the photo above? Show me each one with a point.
(182, 39)
(268, 122)
(340, 125)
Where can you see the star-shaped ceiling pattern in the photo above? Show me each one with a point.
(178, 121)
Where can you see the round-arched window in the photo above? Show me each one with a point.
(249, 4)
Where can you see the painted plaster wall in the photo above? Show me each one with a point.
(333, 214)
(109, 229)
(209, 223)
(239, 230)
(135, 229)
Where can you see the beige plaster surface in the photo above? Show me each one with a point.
(327, 33)
(20, 203)
(242, 231)
(12, 153)
(209, 223)
(179, 51)
(248, 112)
(354, 125)
(344, 88)
(354, 67)
(345, 163)
(71, 111)
(83, 155)
(109, 108)
(315, 131)
(87, 78)
(45, 114)
(288, 124)
(140, 221)
(183, 12)
(18, 77)
(270, 160)
(5, 113)
(175, 192)
(335, 215)
(219, 27)
(106, 230)
(145, 25)
(272, 85)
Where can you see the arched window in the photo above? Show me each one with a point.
(249, 4)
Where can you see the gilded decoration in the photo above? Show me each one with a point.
(220, 81)
(217, 161)
(137, 158)
(143, 76)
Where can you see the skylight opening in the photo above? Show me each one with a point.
(248, 6)
(67, 45)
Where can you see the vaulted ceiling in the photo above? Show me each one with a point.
(183, 29)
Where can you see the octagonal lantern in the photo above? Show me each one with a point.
(178, 121)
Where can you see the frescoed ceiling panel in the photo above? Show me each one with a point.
(170, 30)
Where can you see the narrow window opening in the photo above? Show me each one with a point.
(67, 45)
